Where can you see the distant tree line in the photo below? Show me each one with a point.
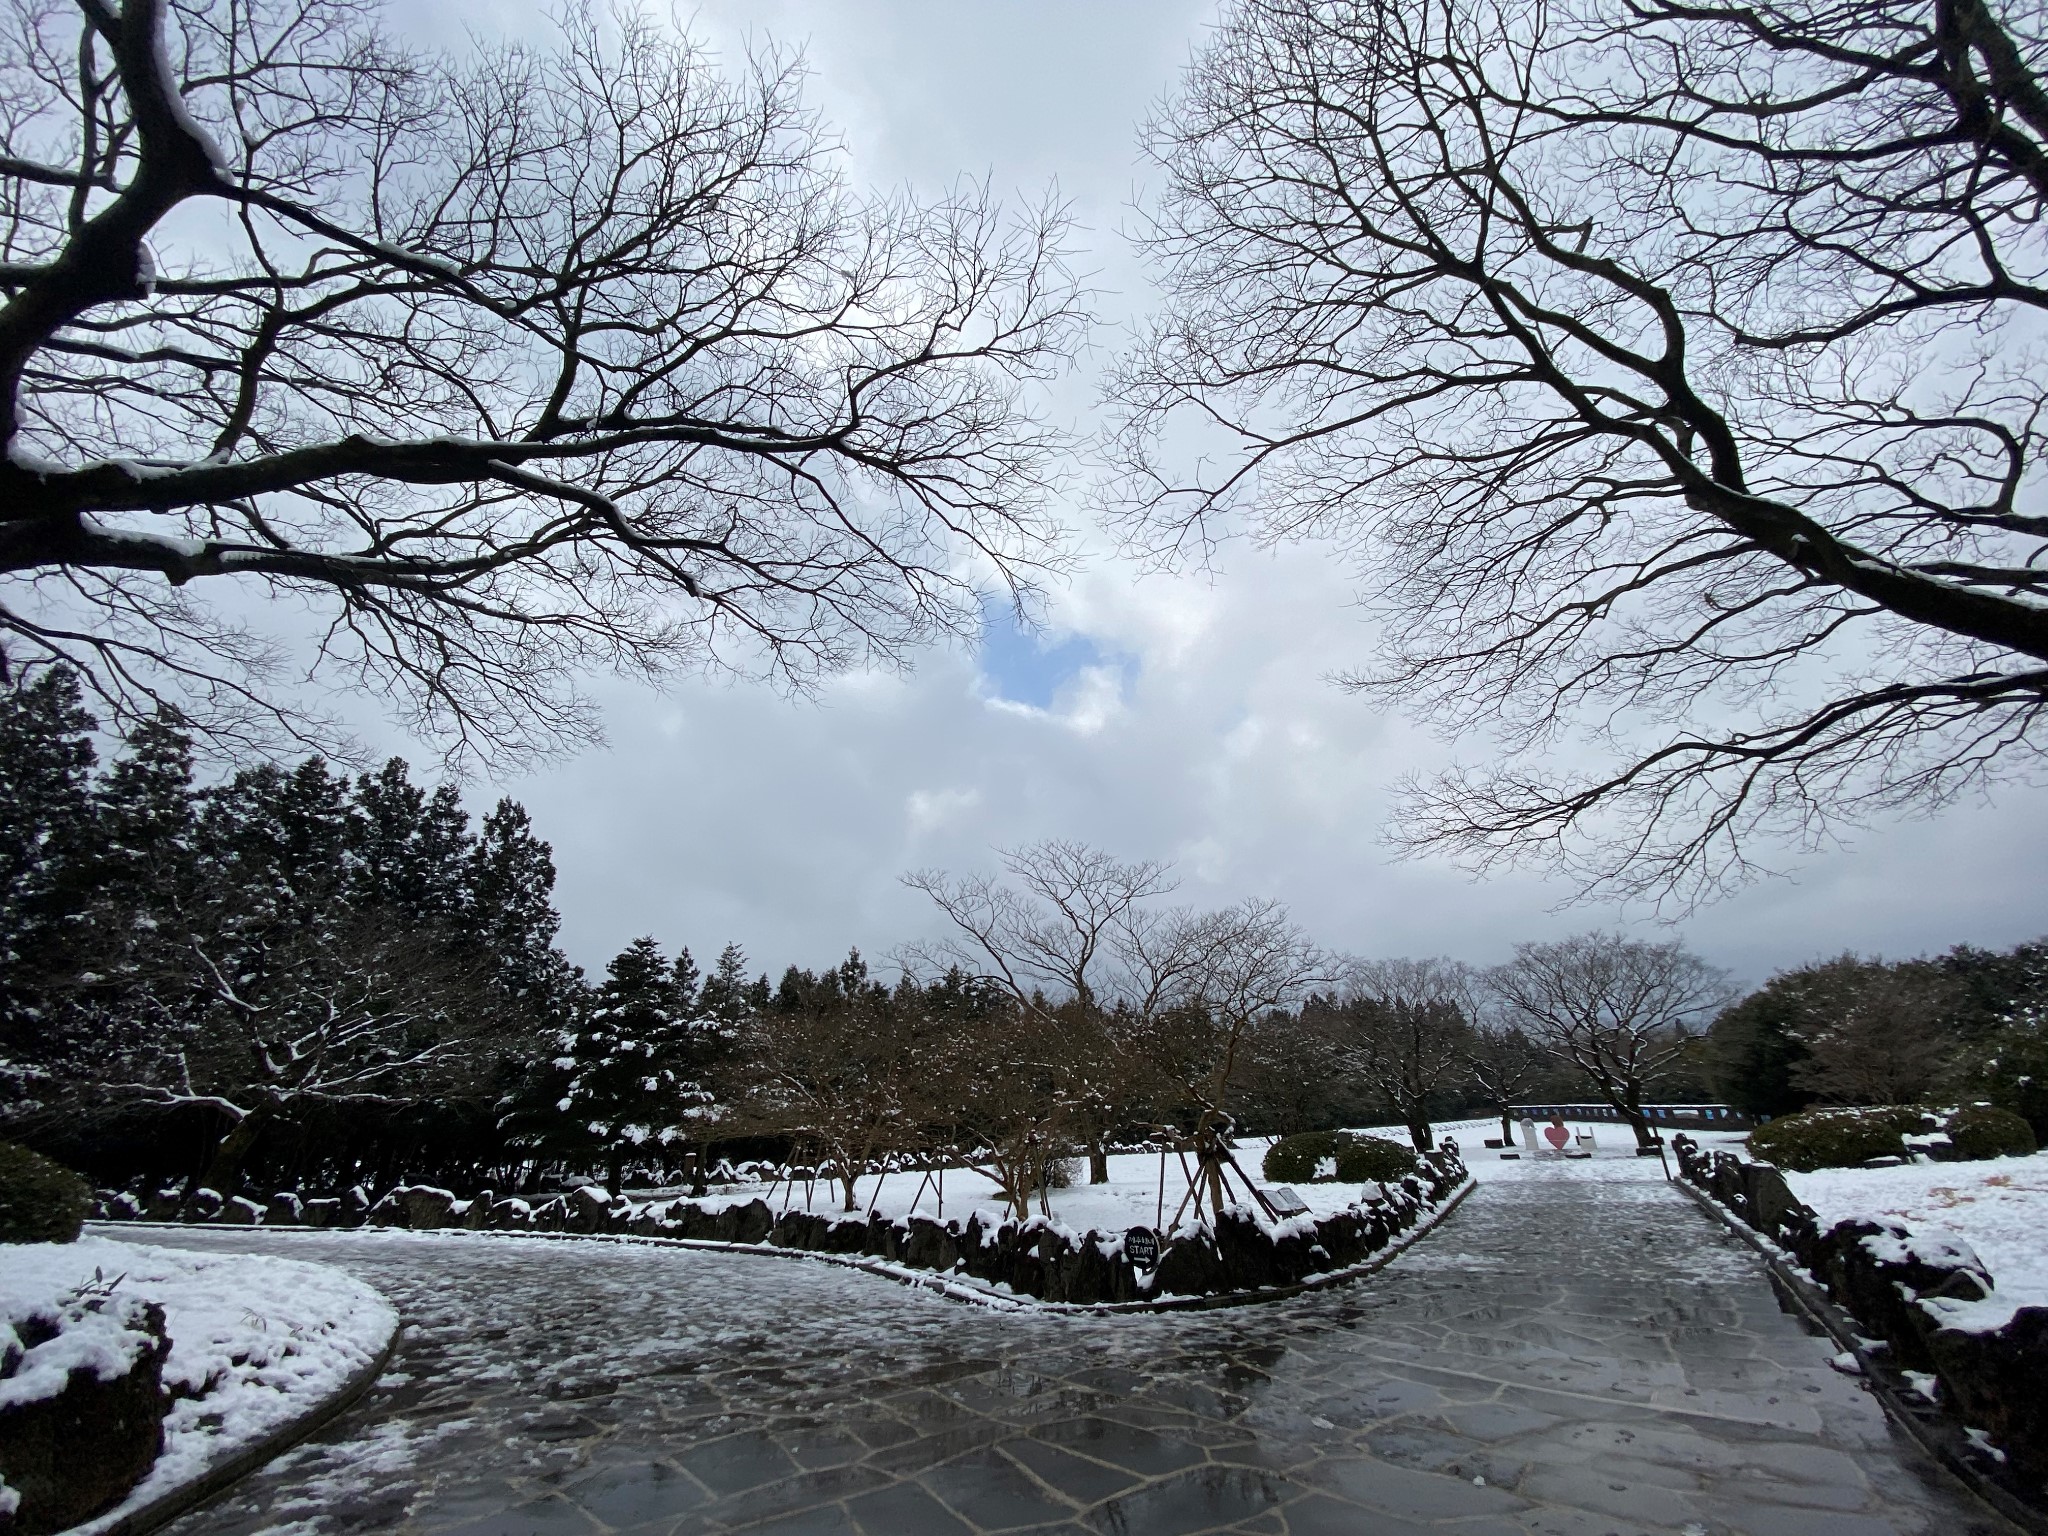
(1970, 1023)
(298, 977)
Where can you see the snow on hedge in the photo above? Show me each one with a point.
(255, 1342)
(1997, 1208)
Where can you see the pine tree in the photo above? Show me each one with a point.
(623, 1088)
(411, 851)
(728, 998)
(46, 761)
(510, 883)
(141, 907)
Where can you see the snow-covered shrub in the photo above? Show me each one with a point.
(1980, 1131)
(1373, 1159)
(1836, 1138)
(40, 1201)
(1299, 1159)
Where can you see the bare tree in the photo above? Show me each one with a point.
(1172, 996)
(504, 365)
(1060, 940)
(1404, 1027)
(846, 1073)
(1621, 1012)
(363, 1012)
(1505, 1067)
(1670, 369)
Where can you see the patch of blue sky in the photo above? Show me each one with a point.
(1028, 668)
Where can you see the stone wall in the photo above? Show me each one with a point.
(1893, 1284)
(1037, 1258)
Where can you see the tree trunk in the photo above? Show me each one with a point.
(1630, 1105)
(1098, 1164)
(224, 1169)
(1421, 1135)
(1507, 1130)
(615, 1174)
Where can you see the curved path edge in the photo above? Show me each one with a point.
(222, 1475)
(951, 1287)
(1933, 1431)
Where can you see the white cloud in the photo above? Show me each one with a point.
(1209, 734)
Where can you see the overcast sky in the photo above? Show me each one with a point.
(1187, 719)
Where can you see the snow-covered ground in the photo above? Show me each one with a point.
(1143, 1192)
(1998, 1208)
(255, 1342)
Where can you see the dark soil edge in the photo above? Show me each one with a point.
(1926, 1425)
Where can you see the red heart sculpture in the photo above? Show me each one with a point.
(1557, 1136)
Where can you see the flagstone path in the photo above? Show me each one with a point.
(1565, 1356)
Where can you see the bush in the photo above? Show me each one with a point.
(1372, 1158)
(1295, 1159)
(1983, 1130)
(40, 1201)
(1835, 1138)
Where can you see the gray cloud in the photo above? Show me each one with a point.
(729, 812)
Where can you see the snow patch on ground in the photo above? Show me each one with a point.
(256, 1342)
(1998, 1209)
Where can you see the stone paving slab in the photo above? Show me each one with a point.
(1564, 1357)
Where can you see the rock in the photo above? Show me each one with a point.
(1246, 1251)
(1029, 1261)
(588, 1210)
(1994, 1381)
(1189, 1266)
(79, 1452)
(478, 1215)
(203, 1205)
(1083, 1276)
(241, 1212)
(1876, 1270)
(323, 1212)
(510, 1215)
(284, 1210)
(927, 1245)
(752, 1222)
(388, 1212)
(551, 1215)
(164, 1205)
(122, 1206)
(427, 1209)
(793, 1229)
(355, 1206)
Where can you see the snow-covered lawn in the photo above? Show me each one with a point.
(1999, 1208)
(1135, 1196)
(1143, 1192)
(256, 1343)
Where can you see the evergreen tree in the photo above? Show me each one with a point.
(624, 1087)
(729, 998)
(510, 884)
(46, 829)
(411, 851)
(141, 907)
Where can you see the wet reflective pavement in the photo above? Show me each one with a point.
(1563, 1357)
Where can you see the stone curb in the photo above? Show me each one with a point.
(950, 1287)
(218, 1478)
(1928, 1427)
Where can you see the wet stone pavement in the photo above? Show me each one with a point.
(1562, 1357)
